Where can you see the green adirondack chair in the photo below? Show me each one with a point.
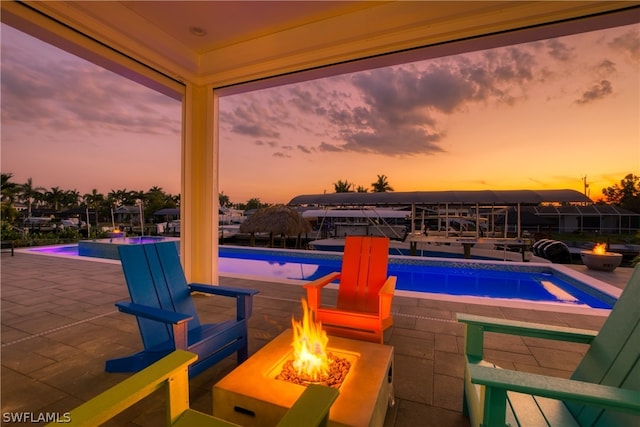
(603, 391)
(171, 373)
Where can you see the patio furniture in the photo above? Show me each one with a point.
(7, 246)
(171, 373)
(604, 390)
(167, 319)
(363, 309)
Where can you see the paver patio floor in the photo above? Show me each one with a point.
(60, 325)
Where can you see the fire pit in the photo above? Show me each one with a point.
(339, 368)
(311, 363)
(599, 259)
(260, 390)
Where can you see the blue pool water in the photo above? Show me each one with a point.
(493, 280)
(108, 248)
(460, 278)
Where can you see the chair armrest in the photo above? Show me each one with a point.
(171, 370)
(153, 313)
(224, 291)
(613, 398)
(312, 407)
(323, 281)
(385, 296)
(389, 286)
(477, 325)
(313, 289)
(178, 321)
(244, 297)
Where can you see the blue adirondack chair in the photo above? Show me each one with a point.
(604, 390)
(167, 318)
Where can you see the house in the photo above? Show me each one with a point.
(127, 215)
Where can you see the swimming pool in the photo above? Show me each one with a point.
(108, 248)
(523, 282)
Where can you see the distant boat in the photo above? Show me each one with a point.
(450, 233)
(392, 223)
(228, 231)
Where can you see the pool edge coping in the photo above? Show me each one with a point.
(486, 301)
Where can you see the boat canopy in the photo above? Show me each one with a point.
(482, 197)
(350, 213)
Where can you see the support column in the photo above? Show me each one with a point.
(199, 192)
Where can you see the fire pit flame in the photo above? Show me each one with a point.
(599, 249)
(309, 346)
(311, 362)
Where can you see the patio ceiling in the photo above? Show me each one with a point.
(223, 43)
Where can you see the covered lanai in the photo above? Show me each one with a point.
(197, 52)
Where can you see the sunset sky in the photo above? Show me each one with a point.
(533, 116)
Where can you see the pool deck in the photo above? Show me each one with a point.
(59, 325)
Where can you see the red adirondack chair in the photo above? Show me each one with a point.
(363, 307)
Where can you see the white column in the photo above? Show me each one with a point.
(199, 192)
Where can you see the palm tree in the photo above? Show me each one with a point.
(175, 199)
(72, 198)
(137, 197)
(54, 197)
(361, 189)
(29, 194)
(9, 194)
(224, 200)
(125, 198)
(94, 200)
(9, 189)
(381, 185)
(342, 186)
(116, 197)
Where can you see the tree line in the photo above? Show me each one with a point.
(626, 195)
(38, 199)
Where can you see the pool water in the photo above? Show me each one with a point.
(536, 283)
(108, 248)
(421, 275)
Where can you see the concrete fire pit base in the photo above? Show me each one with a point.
(252, 396)
(608, 261)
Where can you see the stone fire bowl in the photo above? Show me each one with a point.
(608, 261)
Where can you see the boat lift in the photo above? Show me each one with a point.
(465, 238)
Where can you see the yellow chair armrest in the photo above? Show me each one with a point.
(172, 370)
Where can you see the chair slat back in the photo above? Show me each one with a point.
(614, 355)
(364, 271)
(155, 278)
(176, 281)
(611, 418)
